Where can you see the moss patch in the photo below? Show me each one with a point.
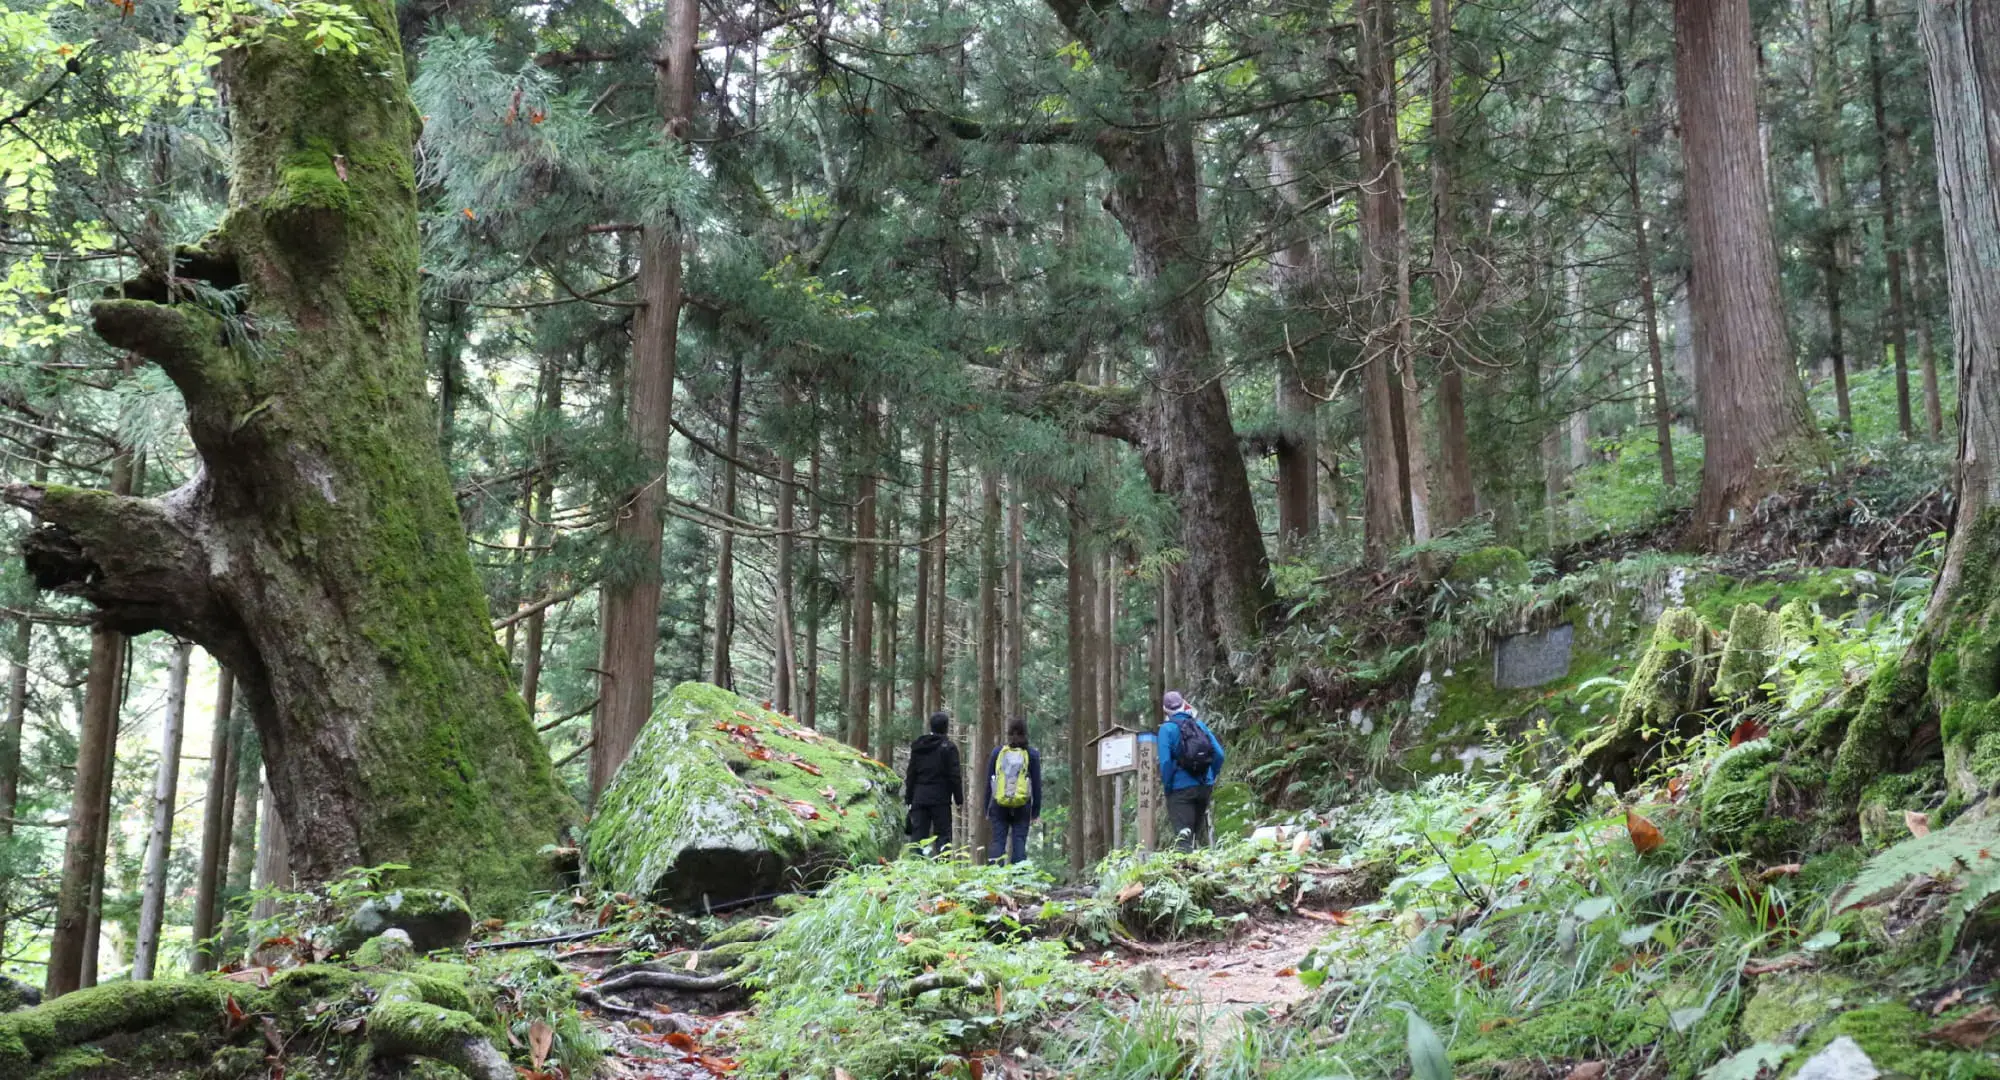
(1890, 1034)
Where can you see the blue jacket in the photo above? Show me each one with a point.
(1034, 783)
(1172, 778)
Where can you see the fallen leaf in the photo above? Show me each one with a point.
(1126, 894)
(1969, 1032)
(999, 1001)
(1487, 1026)
(1286, 972)
(1790, 869)
(760, 752)
(237, 1017)
(806, 765)
(694, 960)
(259, 975)
(1948, 1001)
(682, 1041)
(1590, 1070)
(1302, 843)
(1645, 835)
(1749, 730)
(1337, 918)
(1919, 824)
(1677, 788)
(540, 1037)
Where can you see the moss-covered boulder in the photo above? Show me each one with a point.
(1752, 645)
(724, 799)
(1665, 695)
(17, 995)
(433, 919)
(1497, 565)
(1736, 800)
(1781, 1009)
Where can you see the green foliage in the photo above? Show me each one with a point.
(1965, 846)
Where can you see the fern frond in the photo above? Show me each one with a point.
(1962, 845)
(1980, 886)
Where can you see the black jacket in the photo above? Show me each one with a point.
(935, 778)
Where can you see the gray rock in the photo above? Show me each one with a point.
(1843, 1059)
(15, 994)
(1533, 659)
(432, 919)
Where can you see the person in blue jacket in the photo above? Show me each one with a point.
(1190, 760)
(1013, 793)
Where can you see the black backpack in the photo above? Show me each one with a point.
(1195, 753)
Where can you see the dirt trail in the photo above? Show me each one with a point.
(1223, 980)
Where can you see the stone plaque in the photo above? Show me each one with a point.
(1533, 659)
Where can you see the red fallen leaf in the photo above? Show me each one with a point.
(1677, 788)
(976, 1068)
(235, 1014)
(720, 1066)
(807, 766)
(1646, 836)
(1487, 973)
(681, 1040)
(760, 753)
(1337, 918)
(1286, 972)
(1748, 730)
(758, 790)
(1489, 1026)
(1971, 1031)
(1131, 891)
(1919, 824)
(804, 810)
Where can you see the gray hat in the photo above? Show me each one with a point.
(1174, 702)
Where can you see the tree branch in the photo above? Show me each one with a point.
(141, 561)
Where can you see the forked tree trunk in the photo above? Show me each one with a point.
(631, 614)
(1753, 406)
(317, 552)
(160, 839)
(1949, 667)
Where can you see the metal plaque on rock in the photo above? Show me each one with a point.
(1533, 659)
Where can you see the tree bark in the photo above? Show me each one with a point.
(926, 672)
(535, 628)
(215, 825)
(721, 672)
(991, 724)
(1082, 692)
(810, 716)
(1926, 350)
(1188, 447)
(275, 866)
(160, 840)
(632, 600)
(1649, 312)
(887, 604)
(243, 827)
(1753, 406)
(940, 594)
(1011, 654)
(1298, 409)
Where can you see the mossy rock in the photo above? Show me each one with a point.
(433, 918)
(1753, 643)
(15, 994)
(1884, 803)
(1499, 565)
(1782, 1008)
(723, 799)
(1891, 1034)
(1666, 694)
(1736, 799)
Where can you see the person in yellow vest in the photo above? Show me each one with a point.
(1013, 793)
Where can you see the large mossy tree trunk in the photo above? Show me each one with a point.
(317, 551)
(1953, 667)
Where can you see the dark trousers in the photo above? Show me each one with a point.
(1187, 813)
(1010, 833)
(930, 825)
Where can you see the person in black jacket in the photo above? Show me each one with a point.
(934, 785)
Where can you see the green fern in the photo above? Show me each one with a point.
(1980, 886)
(1961, 846)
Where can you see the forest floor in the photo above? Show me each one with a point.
(1215, 985)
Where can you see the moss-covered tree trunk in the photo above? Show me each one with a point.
(317, 551)
(1954, 665)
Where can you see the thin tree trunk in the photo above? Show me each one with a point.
(535, 628)
(243, 830)
(1107, 696)
(216, 808)
(784, 631)
(1081, 693)
(10, 748)
(1926, 350)
(273, 855)
(1011, 660)
(632, 602)
(810, 717)
(940, 592)
(721, 672)
(1456, 502)
(926, 665)
(1753, 407)
(991, 726)
(1822, 52)
(1386, 517)
(1887, 159)
(1298, 419)
(1649, 312)
(96, 753)
(887, 602)
(860, 696)
(160, 840)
